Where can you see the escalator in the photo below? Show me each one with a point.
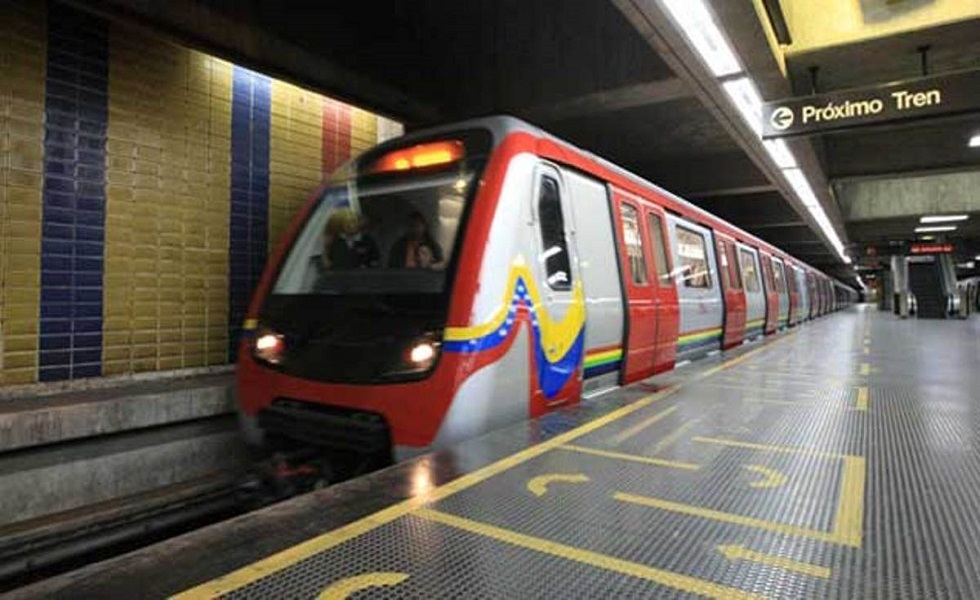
(926, 283)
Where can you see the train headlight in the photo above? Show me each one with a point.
(422, 353)
(269, 347)
(417, 357)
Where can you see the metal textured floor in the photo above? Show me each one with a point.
(838, 460)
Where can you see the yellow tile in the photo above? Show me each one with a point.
(144, 364)
(19, 360)
(21, 327)
(14, 296)
(19, 343)
(167, 363)
(20, 177)
(116, 367)
(115, 354)
(143, 352)
(20, 312)
(18, 376)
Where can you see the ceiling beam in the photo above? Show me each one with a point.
(630, 96)
(778, 225)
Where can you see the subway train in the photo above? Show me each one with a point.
(466, 277)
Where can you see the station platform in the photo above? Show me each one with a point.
(838, 459)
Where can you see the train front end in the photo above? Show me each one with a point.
(342, 349)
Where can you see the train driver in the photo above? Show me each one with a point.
(345, 245)
(416, 248)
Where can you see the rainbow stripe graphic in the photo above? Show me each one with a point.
(696, 339)
(558, 345)
(602, 361)
(753, 327)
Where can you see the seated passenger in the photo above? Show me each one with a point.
(417, 248)
(345, 246)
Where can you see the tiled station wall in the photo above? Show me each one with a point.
(141, 187)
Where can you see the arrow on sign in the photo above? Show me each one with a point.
(736, 552)
(782, 118)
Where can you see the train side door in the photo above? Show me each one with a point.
(665, 291)
(558, 348)
(734, 324)
(772, 298)
(641, 297)
(794, 295)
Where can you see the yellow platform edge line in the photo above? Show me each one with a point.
(677, 581)
(626, 434)
(849, 520)
(724, 517)
(862, 399)
(660, 462)
(672, 437)
(735, 552)
(290, 556)
(769, 447)
(744, 357)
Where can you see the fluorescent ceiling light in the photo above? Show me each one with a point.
(699, 25)
(927, 238)
(943, 218)
(935, 229)
(748, 102)
(975, 141)
(797, 181)
(780, 154)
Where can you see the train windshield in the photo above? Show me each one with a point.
(391, 229)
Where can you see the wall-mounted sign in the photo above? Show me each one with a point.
(915, 99)
(931, 249)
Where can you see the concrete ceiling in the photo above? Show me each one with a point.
(612, 76)
(885, 178)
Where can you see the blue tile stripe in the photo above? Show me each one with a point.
(73, 212)
(249, 215)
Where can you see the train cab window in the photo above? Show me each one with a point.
(750, 274)
(552, 223)
(733, 266)
(693, 258)
(659, 248)
(778, 277)
(387, 224)
(634, 244)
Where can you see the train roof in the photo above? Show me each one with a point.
(501, 126)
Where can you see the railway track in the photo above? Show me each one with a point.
(40, 548)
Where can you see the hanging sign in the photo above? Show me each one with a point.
(955, 93)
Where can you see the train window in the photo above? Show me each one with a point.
(552, 223)
(767, 273)
(634, 244)
(659, 248)
(778, 277)
(726, 281)
(693, 258)
(750, 274)
(733, 266)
